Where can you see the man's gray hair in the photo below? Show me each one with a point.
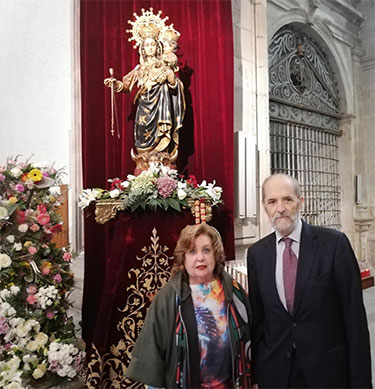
(294, 182)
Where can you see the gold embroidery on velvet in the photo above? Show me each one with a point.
(153, 272)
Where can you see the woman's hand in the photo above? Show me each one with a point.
(109, 81)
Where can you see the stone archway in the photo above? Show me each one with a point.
(304, 122)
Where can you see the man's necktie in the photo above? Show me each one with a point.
(289, 273)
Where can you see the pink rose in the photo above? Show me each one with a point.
(31, 299)
(42, 208)
(2, 177)
(43, 219)
(32, 289)
(50, 315)
(32, 250)
(57, 278)
(34, 227)
(67, 257)
(46, 270)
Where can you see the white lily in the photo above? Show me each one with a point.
(181, 194)
(114, 193)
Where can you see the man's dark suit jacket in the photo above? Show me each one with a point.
(328, 327)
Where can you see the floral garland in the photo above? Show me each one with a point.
(38, 343)
(157, 187)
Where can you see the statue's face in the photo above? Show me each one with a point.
(167, 47)
(149, 46)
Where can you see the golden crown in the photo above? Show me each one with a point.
(169, 33)
(147, 25)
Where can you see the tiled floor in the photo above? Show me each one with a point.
(369, 298)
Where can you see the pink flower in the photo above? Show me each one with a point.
(32, 250)
(46, 270)
(20, 188)
(42, 208)
(57, 278)
(34, 227)
(2, 177)
(32, 289)
(50, 315)
(4, 326)
(166, 186)
(67, 257)
(43, 219)
(31, 299)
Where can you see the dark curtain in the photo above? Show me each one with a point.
(206, 139)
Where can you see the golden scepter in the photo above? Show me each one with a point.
(113, 105)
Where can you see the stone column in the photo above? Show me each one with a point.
(251, 101)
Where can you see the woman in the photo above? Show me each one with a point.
(196, 332)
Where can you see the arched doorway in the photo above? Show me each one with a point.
(304, 122)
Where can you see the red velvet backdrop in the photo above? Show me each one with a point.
(206, 139)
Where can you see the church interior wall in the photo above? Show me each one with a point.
(35, 74)
(367, 118)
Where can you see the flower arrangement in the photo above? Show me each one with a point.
(158, 187)
(38, 343)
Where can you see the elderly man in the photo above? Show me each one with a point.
(310, 328)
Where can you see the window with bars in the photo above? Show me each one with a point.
(311, 156)
(304, 123)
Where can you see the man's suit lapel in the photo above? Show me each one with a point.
(306, 257)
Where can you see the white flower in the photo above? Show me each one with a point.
(14, 289)
(21, 331)
(41, 164)
(3, 213)
(114, 193)
(11, 311)
(211, 190)
(16, 172)
(47, 296)
(10, 238)
(23, 227)
(181, 185)
(41, 338)
(39, 371)
(32, 346)
(4, 294)
(125, 184)
(17, 246)
(14, 385)
(181, 194)
(10, 376)
(5, 261)
(63, 355)
(27, 358)
(86, 197)
(130, 177)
